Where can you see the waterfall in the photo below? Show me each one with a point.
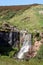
(10, 38)
(25, 47)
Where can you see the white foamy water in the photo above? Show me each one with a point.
(10, 38)
(25, 47)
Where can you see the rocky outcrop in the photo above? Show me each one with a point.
(9, 34)
(35, 47)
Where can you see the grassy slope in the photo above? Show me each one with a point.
(26, 18)
(9, 61)
(31, 24)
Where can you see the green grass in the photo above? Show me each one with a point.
(40, 53)
(34, 23)
(4, 60)
(10, 60)
(17, 18)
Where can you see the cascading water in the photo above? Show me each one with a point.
(25, 47)
(10, 38)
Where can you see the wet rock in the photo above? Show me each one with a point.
(41, 34)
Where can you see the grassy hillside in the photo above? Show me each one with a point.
(24, 17)
(28, 17)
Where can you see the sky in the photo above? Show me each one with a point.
(19, 2)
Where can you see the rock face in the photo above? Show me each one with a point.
(36, 47)
(26, 44)
(41, 34)
(4, 37)
(9, 36)
(22, 35)
(32, 52)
